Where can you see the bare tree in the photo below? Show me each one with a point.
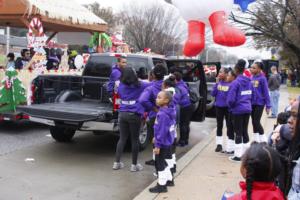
(274, 23)
(104, 13)
(152, 27)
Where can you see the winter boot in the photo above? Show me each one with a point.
(229, 147)
(256, 137)
(223, 33)
(159, 189)
(262, 138)
(219, 142)
(238, 152)
(196, 38)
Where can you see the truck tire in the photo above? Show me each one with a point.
(144, 138)
(61, 134)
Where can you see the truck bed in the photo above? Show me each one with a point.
(74, 111)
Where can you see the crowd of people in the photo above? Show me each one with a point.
(53, 56)
(270, 165)
(165, 99)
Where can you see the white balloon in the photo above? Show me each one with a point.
(202, 9)
(78, 62)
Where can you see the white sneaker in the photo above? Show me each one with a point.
(136, 168)
(118, 165)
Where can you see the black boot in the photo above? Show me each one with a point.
(170, 183)
(150, 162)
(219, 148)
(159, 189)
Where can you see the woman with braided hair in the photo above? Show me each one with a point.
(260, 166)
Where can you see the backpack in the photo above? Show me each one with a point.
(193, 97)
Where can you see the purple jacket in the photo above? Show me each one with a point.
(220, 92)
(164, 127)
(129, 96)
(114, 76)
(148, 97)
(260, 95)
(184, 100)
(240, 95)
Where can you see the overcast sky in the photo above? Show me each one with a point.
(241, 52)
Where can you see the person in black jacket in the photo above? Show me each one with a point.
(21, 62)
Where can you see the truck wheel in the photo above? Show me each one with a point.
(61, 134)
(144, 137)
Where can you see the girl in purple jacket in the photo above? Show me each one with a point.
(164, 131)
(130, 116)
(220, 91)
(186, 110)
(239, 102)
(261, 99)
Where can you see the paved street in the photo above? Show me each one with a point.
(33, 166)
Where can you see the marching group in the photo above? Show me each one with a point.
(165, 99)
(270, 165)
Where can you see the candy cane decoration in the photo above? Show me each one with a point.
(36, 27)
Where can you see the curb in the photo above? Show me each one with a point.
(182, 163)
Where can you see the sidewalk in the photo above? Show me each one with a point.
(205, 175)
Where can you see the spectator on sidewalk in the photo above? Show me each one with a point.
(292, 186)
(260, 167)
(239, 102)
(220, 92)
(274, 85)
(260, 100)
(164, 131)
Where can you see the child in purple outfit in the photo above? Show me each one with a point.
(164, 132)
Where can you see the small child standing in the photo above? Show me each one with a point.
(164, 131)
(260, 166)
(220, 91)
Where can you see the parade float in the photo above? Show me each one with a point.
(44, 19)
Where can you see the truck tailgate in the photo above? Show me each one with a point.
(75, 111)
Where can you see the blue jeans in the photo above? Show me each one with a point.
(274, 102)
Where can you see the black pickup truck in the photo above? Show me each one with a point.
(71, 103)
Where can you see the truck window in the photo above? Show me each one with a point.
(210, 72)
(99, 66)
(189, 70)
(140, 65)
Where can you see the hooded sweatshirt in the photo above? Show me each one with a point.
(148, 97)
(114, 76)
(164, 127)
(220, 92)
(185, 100)
(240, 95)
(260, 95)
(129, 95)
(260, 191)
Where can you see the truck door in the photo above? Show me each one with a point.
(193, 74)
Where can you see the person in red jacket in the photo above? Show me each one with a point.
(260, 166)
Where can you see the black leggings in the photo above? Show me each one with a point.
(256, 115)
(221, 113)
(186, 114)
(129, 124)
(240, 125)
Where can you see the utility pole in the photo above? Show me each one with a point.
(7, 39)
